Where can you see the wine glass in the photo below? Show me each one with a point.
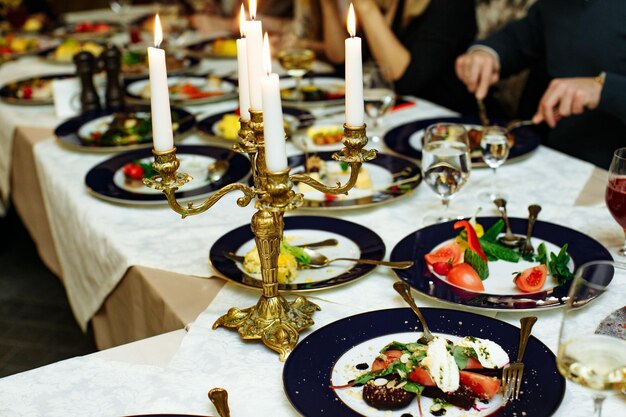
(495, 146)
(297, 62)
(616, 191)
(445, 164)
(378, 96)
(592, 351)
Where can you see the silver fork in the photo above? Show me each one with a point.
(513, 372)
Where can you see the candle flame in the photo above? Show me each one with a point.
(351, 23)
(252, 8)
(158, 32)
(267, 57)
(242, 21)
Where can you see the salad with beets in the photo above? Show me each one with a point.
(465, 261)
(464, 373)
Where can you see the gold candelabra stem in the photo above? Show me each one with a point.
(273, 320)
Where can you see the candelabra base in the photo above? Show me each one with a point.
(274, 320)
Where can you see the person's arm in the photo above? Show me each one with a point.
(333, 32)
(383, 43)
(613, 96)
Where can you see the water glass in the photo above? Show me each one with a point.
(495, 146)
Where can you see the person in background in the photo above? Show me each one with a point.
(416, 40)
(223, 16)
(580, 46)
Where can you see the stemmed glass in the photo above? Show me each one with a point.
(616, 191)
(445, 164)
(592, 346)
(495, 147)
(297, 62)
(378, 95)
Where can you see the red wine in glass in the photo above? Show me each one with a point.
(616, 191)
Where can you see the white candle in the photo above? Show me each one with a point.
(162, 134)
(273, 128)
(354, 75)
(242, 70)
(254, 50)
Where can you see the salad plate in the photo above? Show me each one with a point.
(406, 139)
(126, 130)
(316, 89)
(354, 241)
(185, 90)
(135, 63)
(87, 30)
(330, 355)
(119, 179)
(32, 91)
(381, 180)
(225, 124)
(13, 46)
(500, 292)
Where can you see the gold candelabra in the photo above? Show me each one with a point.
(273, 319)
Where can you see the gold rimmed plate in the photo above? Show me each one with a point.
(354, 241)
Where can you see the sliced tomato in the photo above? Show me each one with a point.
(442, 268)
(473, 363)
(448, 253)
(531, 279)
(464, 276)
(380, 363)
(421, 376)
(484, 387)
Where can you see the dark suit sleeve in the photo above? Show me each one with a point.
(434, 40)
(613, 97)
(520, 44)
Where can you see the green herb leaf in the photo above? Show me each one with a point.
(494, 231)
(413, 387)
(542, 254)
(460, 356)
(301, 256)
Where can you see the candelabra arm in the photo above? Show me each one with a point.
(169, 181)
(192, 209)
(355, 167)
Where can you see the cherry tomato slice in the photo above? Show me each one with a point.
(464, 276)
(531, 279)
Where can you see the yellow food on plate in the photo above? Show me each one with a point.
(287, 265)
(363, 181)
(325, 135)
(228, 127)
(70, 47)
(20, 44)
(225, 47)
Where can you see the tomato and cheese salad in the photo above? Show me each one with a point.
(465, 262)
(463, 373)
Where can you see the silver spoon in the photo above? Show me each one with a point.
(533, 212)
(319, 260)
(509, 239)
(405, 292)
(217, 169)
(219, 398)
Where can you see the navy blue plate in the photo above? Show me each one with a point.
(393, 164)
(8, 92)
(581, 248)
(397, 139)
(67, 132)
(307, 372)
(369, 243)
(305, 119)
(99, 179)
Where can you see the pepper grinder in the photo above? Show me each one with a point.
(112, 65)
(85, 65)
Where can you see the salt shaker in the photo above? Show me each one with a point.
(112, 65)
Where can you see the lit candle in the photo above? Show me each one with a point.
(254, 51)
(273, 128)
(354, 74)
(159, 94)
(242, 69)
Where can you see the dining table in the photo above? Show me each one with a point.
(140, 276)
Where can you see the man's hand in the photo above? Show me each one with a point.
(478, 70)
(567, 96)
